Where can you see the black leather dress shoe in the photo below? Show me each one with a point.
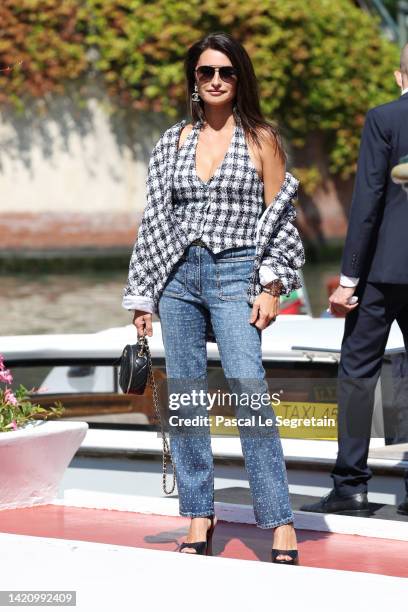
(403, 507)
(355, 505)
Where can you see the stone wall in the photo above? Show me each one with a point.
(73, 177)
(76, 178)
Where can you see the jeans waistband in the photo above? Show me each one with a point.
(200, 249)
(228, 252)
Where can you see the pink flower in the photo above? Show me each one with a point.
(6, 376)
(13, 425)
(10, 398)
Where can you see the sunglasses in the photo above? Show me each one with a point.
(206, 73)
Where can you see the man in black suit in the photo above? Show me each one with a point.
(373, 292)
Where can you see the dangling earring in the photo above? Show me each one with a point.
(194, 96)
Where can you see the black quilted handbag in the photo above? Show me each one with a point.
(135, 369)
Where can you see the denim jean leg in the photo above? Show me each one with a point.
(239, 344)
(186, 368)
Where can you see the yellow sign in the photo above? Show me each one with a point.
(305, 420)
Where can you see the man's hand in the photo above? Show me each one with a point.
(143, 323)
(264, 310)
(339, 301)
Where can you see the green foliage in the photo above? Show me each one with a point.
(320, 64)
(44, 35)
(23, 411)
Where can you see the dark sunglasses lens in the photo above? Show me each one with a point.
(205, 72)
(227, 73)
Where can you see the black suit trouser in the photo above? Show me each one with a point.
(366, 333)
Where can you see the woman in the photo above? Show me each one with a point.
(211, 259)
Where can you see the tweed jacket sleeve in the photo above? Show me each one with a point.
(159, 240)
(139, 283)
(278, 240)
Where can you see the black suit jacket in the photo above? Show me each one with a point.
(376, 245)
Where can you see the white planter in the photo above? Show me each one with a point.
(33, 460)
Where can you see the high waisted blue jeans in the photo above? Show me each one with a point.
(202, 285)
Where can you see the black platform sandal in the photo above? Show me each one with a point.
(293, 554)
(201, 548)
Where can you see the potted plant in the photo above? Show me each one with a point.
(16, 409)
(34, 452)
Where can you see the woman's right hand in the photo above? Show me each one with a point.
(142, 320)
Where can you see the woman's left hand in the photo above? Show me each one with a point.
(265, 309)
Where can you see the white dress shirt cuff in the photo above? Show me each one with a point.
(266, 275)
(348, 281)
(138, 302)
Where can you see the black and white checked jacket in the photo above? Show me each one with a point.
(161, 241)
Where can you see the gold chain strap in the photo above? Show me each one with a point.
(166, 448)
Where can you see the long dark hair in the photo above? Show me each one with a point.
(246, 105)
